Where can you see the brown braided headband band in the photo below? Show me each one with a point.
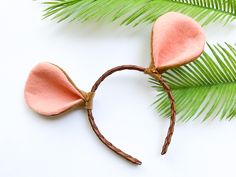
(176, 40)
(153, 74)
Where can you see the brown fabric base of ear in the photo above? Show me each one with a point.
(153, 73)
(89, 100)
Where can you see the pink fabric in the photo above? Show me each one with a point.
(48, 91)
(176, 40)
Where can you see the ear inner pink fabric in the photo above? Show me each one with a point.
(176, 40)
(49, 91)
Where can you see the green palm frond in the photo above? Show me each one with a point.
(205, 87)
(140, 11)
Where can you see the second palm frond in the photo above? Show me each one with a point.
(204, 88)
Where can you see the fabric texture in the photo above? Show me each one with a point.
(49, 91)
(176, 40)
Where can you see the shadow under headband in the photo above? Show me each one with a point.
(176, 40)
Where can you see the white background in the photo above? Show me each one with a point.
(33, 146)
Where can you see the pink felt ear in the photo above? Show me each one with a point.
(49, 91)
(176, 40)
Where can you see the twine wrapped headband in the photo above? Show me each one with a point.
(176, 40)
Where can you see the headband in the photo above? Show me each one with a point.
(176, 40)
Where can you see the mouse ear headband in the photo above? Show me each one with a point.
(176, 40)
